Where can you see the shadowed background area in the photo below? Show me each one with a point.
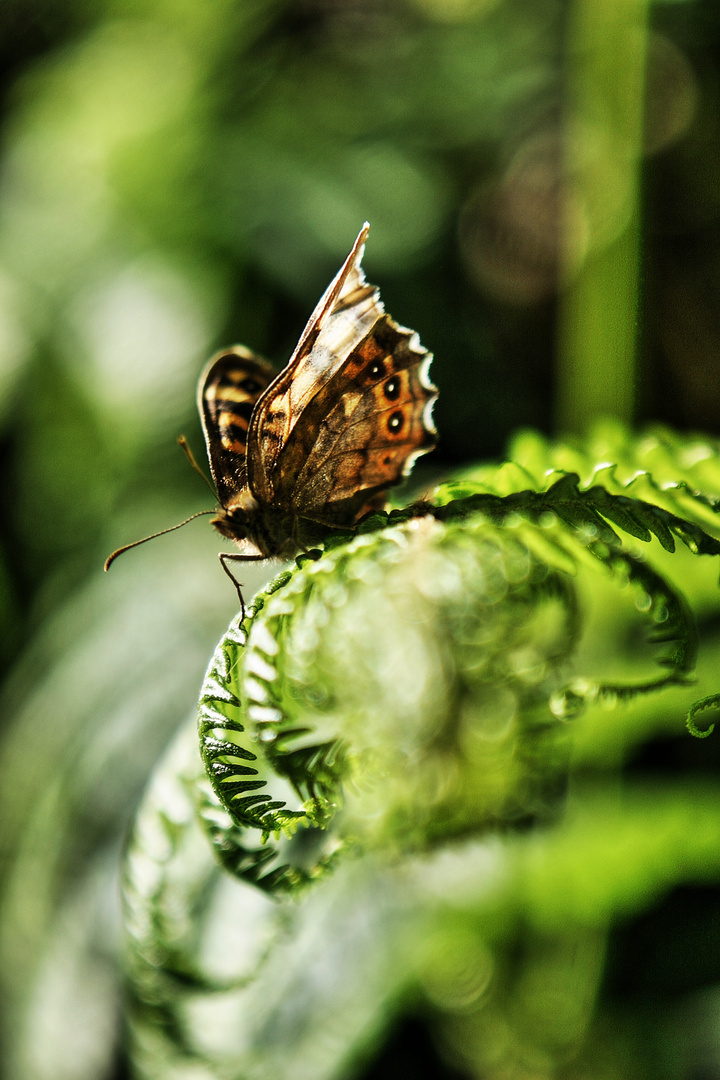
(177, 176)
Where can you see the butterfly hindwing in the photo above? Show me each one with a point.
(228, 391)
(362, 431)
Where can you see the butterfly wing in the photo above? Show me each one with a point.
(362, 430)
(228, 391)
(345, 315)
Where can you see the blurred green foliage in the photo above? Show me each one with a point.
(176, 176)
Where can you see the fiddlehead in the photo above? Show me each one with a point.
(397, 699)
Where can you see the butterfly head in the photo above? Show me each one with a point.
(253, 529)
(228, 525)
(235, 518)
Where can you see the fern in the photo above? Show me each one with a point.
(274, 772)
(411, 695)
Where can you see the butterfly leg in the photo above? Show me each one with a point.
(227, 556)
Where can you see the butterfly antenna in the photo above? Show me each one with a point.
(136, 543)
(185, 447)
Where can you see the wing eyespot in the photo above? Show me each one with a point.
(376, 370)
(395, 422)
(392, 388)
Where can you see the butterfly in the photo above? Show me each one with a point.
(314, 448)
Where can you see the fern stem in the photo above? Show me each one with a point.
(607, 44)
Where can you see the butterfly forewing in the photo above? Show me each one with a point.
(348, 310)
(363, 429)
(228, 391)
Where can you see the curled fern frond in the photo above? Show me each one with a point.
(301, 712)
(453, 634)
(711, 702)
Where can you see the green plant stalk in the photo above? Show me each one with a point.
(598, 327)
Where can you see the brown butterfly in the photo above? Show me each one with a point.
(316, 447)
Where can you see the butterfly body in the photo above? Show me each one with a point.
(265, 531)
(315, 447)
